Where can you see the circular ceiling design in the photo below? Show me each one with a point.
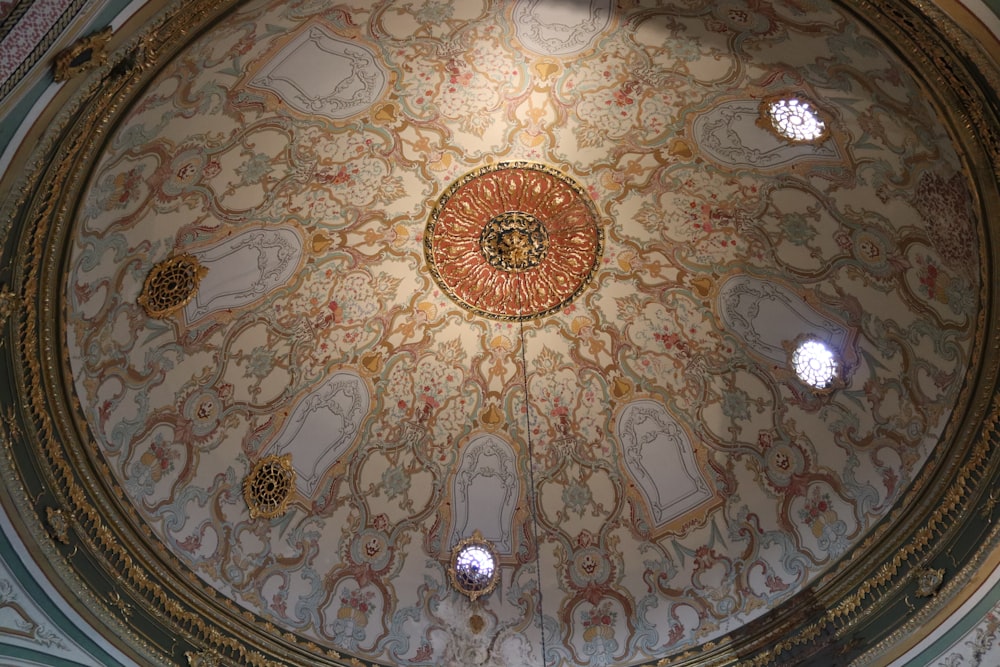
(360, 378)
(513, 241)
(625, 444)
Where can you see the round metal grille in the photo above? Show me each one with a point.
(269, 486)
(815, 363)
(170, 285)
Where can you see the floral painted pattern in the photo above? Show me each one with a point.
(412, 421)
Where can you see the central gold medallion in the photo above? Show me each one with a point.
(513, 241)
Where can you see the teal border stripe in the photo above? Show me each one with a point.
(53, 610)
(946, 642)
(14, 118)
(35, 657)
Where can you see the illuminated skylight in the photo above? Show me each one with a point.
(473, 568)
(796, 120)
(814, 363)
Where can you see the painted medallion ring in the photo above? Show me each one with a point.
(513, 241)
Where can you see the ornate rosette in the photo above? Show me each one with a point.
(513, 241)
(268, 487)
(170, 285)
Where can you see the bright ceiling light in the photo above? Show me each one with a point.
(814, 363)
(796, 120)
(474, 567)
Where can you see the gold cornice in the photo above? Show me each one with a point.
(52, 189)
(953, 594)
(971, 27)
(35, 148)
(93, 47)
(53, 560)
(194, 612)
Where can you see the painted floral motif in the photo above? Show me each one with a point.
(822, 519)
(116, 191)
(352, 617)
(577, 497)
(157, 461)
(189, 168)
(945, 206)
(754, 19)
(599, 624)
(396, 481)
(412, 421)
(940, 285)
(797, 229)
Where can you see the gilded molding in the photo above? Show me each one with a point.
(929, 580)
(202, 659)
(921, 616)
(59, 523)
(8, 304)
(85, 54)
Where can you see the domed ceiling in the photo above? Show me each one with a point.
(343, 286)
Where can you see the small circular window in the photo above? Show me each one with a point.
(815, 363)
(795, 119)
(474, 567)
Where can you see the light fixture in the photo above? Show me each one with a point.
(794, 119)
(815, 363)
(473, 569)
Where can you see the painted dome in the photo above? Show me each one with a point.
(678, 307)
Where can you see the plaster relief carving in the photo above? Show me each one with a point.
(322, 426)
(730, 135)
(766, 315)
(22, 623)
(658, 455)
(553, 29)
(486, 489)
(321, 73)
(244, 268)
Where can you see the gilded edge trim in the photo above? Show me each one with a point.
(85, 54)
(48, 209)
(894, 644)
